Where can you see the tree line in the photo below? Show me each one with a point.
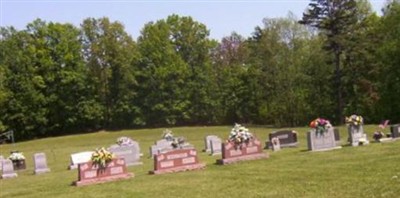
(340, 58)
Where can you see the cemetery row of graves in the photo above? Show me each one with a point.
(174, 154)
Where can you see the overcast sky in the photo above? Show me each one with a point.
(220, 16)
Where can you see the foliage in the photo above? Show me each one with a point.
(101, 157)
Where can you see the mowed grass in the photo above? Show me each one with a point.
(365, 171)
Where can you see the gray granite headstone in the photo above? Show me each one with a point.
(160, 146)
(287, 138)
(395, 131)
(1, 161)
(337, 136)
(357, 135)
(40, 163)
(275, 143)
(130, 153)
(215, 146)
(8, 169)
(321, 142)
(207, 146)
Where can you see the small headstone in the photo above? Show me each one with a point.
(78, 158)
(287, 138)
(357, 136)
(321, 141)
(215, 146)
(275, 143)
(1, 162)
(40, 163)
(8, 169)
(131, 154)
(176, 160)
(337, 136)
(395, 131)
(207, 142)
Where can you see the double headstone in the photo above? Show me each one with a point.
(79, 158)
(321, 141)
(176, 160)
(212, 144)
(131, 153)
(89, 173)
(357, 135)
(287, 138)
(40, 163)
(8, 169)
(233, 152)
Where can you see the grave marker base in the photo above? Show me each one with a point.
(40, 171)
(104, 179)
(178, 169)
(242, 158)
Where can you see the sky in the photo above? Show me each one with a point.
(220, 16)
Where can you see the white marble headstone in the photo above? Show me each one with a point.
(78, 158)
(40, 163)
(8, 169)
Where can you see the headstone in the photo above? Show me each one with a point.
(131, 154)
(232, 152)
(287, 138)
(207, 142)
(1, 162)
(215, 146)
(160, 146)
(78, 158)
(275, 143)
(89, 173)
(357, 136)
(337, 136)
(40, 163)
(8, 169)
(176, 160)
(395, 131)
(321, 142)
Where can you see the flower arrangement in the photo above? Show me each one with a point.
(239, 134)
(16, 156)
(320, 125)
(175, 141)
(101, 157)
(124, 141)
(168, 135)
(355, 120)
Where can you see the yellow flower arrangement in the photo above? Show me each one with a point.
(101, 157)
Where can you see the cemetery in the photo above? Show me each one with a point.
(189, 152)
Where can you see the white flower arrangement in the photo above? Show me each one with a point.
(124, 141)
(168, 135)
(16, 156)
(240, 134)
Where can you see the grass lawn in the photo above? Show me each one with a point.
(365, 171)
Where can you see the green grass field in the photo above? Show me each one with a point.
(365, 171)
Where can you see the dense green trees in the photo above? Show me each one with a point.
(57, 78)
